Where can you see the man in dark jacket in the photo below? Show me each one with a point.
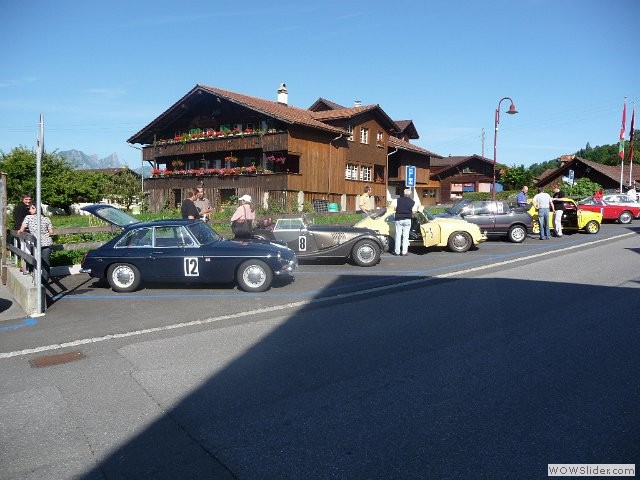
(404, 211)
(21, 211)
(188, 208)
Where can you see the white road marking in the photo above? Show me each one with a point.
(292, 305)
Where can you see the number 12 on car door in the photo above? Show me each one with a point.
(191, 267)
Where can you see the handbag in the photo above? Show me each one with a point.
(242, 227)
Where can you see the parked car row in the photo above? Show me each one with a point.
(613, 208)
(191, 251)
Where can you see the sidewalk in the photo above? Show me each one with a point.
(9, 308)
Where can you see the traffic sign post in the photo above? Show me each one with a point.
(410, 176)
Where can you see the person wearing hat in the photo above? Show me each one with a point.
(242, 219)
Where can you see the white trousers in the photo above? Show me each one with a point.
(557, 222)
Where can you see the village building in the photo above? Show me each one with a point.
(234, 144)
(609, 177)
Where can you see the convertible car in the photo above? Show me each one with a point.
(362, 246)
(495, 218)
(574, 217)
(428, 231)
(181, 251)
(615, 212)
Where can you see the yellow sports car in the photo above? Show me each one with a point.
(427, 230)
(573, 218)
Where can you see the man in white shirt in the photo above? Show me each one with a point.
(542, 202)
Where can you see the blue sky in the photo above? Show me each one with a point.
(100, 71)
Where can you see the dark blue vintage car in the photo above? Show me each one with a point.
(181, 251)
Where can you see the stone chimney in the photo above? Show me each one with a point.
(283, 95)
(357, 103)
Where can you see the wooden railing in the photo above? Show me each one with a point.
(23, 245)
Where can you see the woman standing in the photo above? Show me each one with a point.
(242, 219)
(30, 223)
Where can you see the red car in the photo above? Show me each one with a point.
(613, 212)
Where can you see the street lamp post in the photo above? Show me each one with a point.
(512, 111)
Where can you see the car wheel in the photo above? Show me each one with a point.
(254, 276)
(460, 242)
(123, 277)
(536, 227)
(517, 234)
(365, 253)
(592, 227)
(625, 217)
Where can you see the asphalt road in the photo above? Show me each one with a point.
(488, 364)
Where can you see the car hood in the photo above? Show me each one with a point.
(448, 218)
(341, 228)
(110, 214)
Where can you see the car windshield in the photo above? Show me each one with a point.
(458, 207)
(378, 213)
(427, 213)
(203, 233)
(114, 215)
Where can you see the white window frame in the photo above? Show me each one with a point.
(365, 173)
(364, 135)
(351, 172)
(350, 130)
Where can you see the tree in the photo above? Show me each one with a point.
(514, 178)
(124, 188)
(538, 169)
(583, 187)
(61, 185)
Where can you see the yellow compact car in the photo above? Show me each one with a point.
(427, 230)
(573, 218)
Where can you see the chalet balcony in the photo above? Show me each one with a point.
(215, 142)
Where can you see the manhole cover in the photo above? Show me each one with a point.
(59, 359)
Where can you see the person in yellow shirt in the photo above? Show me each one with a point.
(366, 202)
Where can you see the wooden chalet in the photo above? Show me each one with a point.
(459, 174)
(607, 176)
(234, 144)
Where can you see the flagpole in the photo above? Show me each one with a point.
(632, 184)
(38, 276)
(621, 143)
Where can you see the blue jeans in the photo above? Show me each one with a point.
(402, 236)
(543, 220)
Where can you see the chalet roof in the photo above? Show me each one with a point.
(285, 113)
(407, 127)
(346, 113)
(610, 171)
(452, 162)
(324, 104)
(402, 145)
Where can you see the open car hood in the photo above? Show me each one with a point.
(110, 214)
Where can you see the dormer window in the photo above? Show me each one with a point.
(350, 130)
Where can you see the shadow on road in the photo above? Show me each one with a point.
(434, 381)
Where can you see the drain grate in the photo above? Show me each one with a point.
(50, 360)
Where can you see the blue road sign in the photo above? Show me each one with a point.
(410, 176)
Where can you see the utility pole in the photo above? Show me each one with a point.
(483, 142)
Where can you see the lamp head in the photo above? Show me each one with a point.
(512, 109)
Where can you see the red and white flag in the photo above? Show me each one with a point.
(624, 121)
